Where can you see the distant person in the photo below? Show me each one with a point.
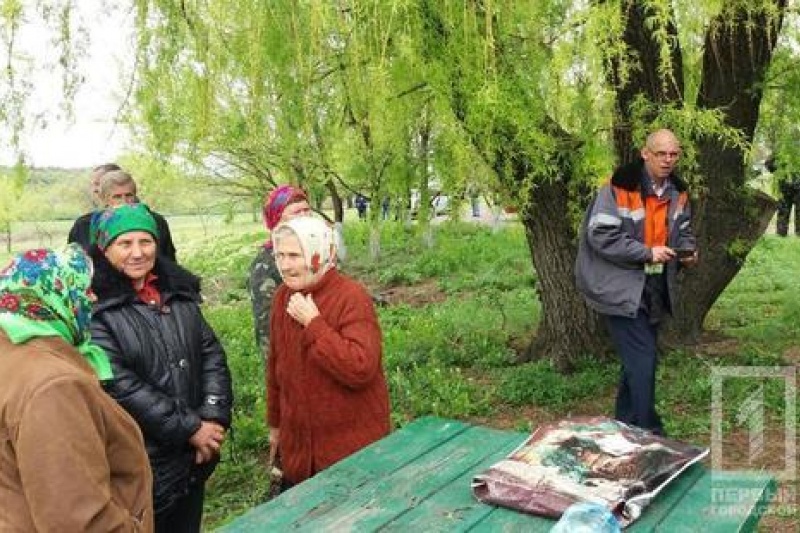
(635, 235)
(71, 459)
(94, 182)
(385, 206)
(283, 203)
(326, 391)
(789, 189)
(111, 187)
(474, 201)
(361, 206)
(170, 370)
(80, 231)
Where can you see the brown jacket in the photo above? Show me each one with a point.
(326, 389)
(71, 459)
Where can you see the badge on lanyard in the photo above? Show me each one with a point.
(654, 268)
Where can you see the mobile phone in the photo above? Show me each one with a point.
(683, 253)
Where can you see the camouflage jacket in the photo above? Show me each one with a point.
(262, 281)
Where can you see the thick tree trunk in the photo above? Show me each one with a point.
(568, 327)
(720, 261)
(732, 217)
(647, 78)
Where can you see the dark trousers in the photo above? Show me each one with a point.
(790, 197)
(185, 515)
(635, 340)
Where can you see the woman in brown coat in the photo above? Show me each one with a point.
(327, 395)
(71, 459)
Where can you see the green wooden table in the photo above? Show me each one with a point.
(418, 479)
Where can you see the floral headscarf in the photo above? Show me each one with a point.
(114, 221)
(277, 201)
(46, 294)
(317, 240)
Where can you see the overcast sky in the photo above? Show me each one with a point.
(92, 138)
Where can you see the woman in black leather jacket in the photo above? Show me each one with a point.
(170, 371)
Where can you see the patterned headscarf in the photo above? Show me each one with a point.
(277, 201)
(317, 240)
(46, 294)
(114, 221)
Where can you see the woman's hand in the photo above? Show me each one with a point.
(302, 308)
(207, 441)
(274, 434)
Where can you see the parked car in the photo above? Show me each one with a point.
(441, 204)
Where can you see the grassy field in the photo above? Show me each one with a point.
(455, 317)
(189, 232)
(458, 312)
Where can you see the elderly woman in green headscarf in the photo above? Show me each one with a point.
(170, 371)
(70, 458)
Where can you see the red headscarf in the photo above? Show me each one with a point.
(277, 201)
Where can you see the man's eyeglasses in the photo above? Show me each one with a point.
(666, 155)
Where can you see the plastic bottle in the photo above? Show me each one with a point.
(587, 517)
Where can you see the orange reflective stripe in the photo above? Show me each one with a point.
(629, 200)
(655, 221)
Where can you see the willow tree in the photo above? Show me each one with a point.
(547, 96)
(266, 91)
(205, 94)
(317, 93)
(542, 87)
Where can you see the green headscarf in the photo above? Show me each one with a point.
(115, 221)
(47, 294)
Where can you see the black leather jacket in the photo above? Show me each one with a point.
(169, 368)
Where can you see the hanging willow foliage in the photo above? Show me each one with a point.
(42, 41)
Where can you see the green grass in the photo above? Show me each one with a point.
(449, 350)
(538, 383)
(450, 353)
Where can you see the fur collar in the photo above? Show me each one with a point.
(112, 287)
(629, 177)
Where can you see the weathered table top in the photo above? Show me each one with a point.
(418, 479)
